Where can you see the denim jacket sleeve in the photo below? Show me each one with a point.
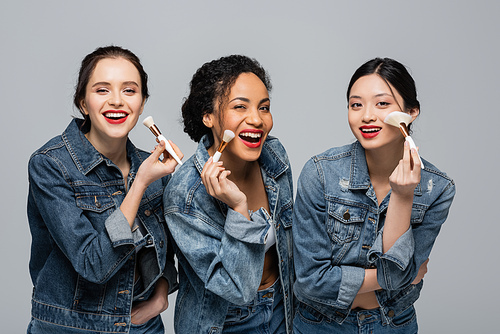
(170, 271)
(227, 258)
(95, 255)
(319, 278)
(398, 267)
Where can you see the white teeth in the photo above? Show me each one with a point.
(371, 130)
(115, 114)
(251, 134)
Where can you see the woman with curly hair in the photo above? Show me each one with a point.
(231, 220)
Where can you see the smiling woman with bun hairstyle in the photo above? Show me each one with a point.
(100, 258)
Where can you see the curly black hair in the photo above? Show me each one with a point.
(210, 85)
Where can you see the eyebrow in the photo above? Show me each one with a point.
(126, 83)
(244, 99)
(101, 83)
(378, 95)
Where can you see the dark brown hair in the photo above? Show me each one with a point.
(87, 68)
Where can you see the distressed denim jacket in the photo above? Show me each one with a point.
(338, 228)
(83, 253)
(220, 252)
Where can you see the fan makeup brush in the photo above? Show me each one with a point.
(401, 120)
(150, 124)
(228, 136)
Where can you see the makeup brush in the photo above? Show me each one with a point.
(228, 136)
(401, 120)
(150, 124)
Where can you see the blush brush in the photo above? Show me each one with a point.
(228, 136)
(401, 120)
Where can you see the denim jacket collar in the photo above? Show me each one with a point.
(84, 154)
(270, 160)
(359, 177)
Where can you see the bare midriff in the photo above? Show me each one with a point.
(271, 269)
(366, 301)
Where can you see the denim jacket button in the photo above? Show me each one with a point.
(362, 317)
(347, 215)
(149, 241)
(97, 204)
(161, 244)
(147, 213)
(390, 313)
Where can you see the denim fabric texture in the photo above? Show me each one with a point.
(307, 320)
(338, 228)
(220, 252)
(153, 326)
(83, 253)
(263, 315)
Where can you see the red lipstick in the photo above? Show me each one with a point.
(366, 133)
(253, 139)
(115, 116)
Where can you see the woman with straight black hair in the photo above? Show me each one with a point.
(366, 216)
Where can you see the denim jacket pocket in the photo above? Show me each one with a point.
(153, 205)
(236, 314)
(95, 205)
(285, 221)
(285, 215)
(97, 202)
(417, 215)
(87, 295)
(159, 214)
(345, 222)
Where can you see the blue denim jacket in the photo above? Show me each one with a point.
(83, 253)
(338, 228)
(220, 252)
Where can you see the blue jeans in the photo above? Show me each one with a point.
(153, 326)
(307, 320)
(264, 315)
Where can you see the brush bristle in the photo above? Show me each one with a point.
(228, 136)
(397, 117)
(148, 121)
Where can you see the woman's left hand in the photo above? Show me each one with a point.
(157, 303)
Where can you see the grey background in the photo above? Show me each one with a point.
(310, 49)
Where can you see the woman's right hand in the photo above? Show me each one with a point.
(153, 169)
(150, 170)
(406, 175)
(214, 178)
(403, 181)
